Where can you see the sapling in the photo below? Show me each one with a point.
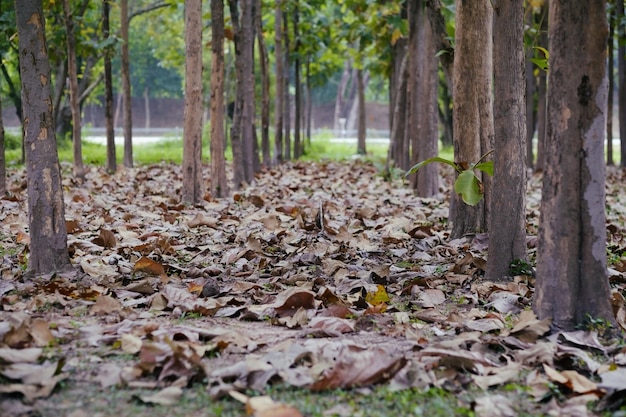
(467, 184)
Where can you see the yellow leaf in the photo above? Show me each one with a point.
(397, 34)
(378, 297)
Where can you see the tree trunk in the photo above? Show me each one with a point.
(278, 103)
(146, 105)
(340, 100)
(611, 69)
(507, 228)
(297, 141)
(396, 156)
(531, 84)
(46, 212)
(426, 134)
(473, 118)
(265, 89)
(621, 68)
(572, 285)
(79, 169)
(193, 191)
(361, 132)
(250, 151)
(236, 134)
(126, 89)
(286, 95)
(219, 184)
(542, 97)
(309, 102)
(3, 169)
(108, 92)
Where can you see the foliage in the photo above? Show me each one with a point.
(467, 183)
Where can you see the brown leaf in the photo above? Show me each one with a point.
(106, 304)
(106, 239)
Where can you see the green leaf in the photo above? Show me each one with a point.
(467, 186)
(417, 166)
(486, 167)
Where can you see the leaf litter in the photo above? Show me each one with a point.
(319, 275)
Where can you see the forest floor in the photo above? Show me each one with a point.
(326, 286)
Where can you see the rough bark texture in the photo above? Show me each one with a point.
(297, 141)
(79, 169)
(193, 190)
(126, 88)
(286, 95)
(3, 172)
(236, 134)
(278, 103)
(219, 184)
(611, 75)
(397, 155)
(572, 284)
(507, 228)
(265, 90)
(250, 151)
(425, 140)
(108, 92)
(473, 119)
(46, 213)
(621, 68)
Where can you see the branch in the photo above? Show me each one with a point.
(147, 9)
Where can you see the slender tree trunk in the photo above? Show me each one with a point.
(611, 69)
(219, 184)
(126, 89)
(507, 228)
(542, 98)
(79, 169)
(146, 105)
(265, 89)
(297, 141)
(426, 134)
(286, 95)
(250, 154)
(473, 118)
(278, 103)
(361, 130)
(108, 92)
(340, 100)
(531, 84)
(46, 212)
(621, 68)
(193, 190)
(397, 156)
(236, 133)
(572, 285)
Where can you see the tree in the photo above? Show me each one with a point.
(108, 91)
(279, 79)
(79, 169)
(192, 141)
(3, 172)
(621, 79)
(361, 127)
(507, 227)
(265, 90)
(611, 80)
(126, 89)
(473, 119)
(572, 284)
(46, 213)
(219, 184)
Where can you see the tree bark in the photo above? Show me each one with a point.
(3, 169)
(425, 140)
(507, 228)
(621, 79)
(46, 212)
(297, 140)
(531, 84)
(278, 103)
(361, 130)
(473, 118)
(611, 80)
(265, 89)
(572, 284)
(193, 191)
(250, 151)
(397, 155)
(79, 169)
(126, 88)
(108, 92)
(286, 95)
(219, 184)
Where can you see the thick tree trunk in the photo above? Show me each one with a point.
(361, 130)
(108, 92)
(425, 140)
(621, 71)
(46, 212)
(507, 228)
(572, 285)
(278, 103)
(219, 184)
(79, 169)
(265, 89)
(126, 89)
(611, 69)
(193, 190)
(473, 118)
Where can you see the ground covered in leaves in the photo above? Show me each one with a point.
(320, 276)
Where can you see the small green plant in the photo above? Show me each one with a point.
(467, 184)
(521, 267)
